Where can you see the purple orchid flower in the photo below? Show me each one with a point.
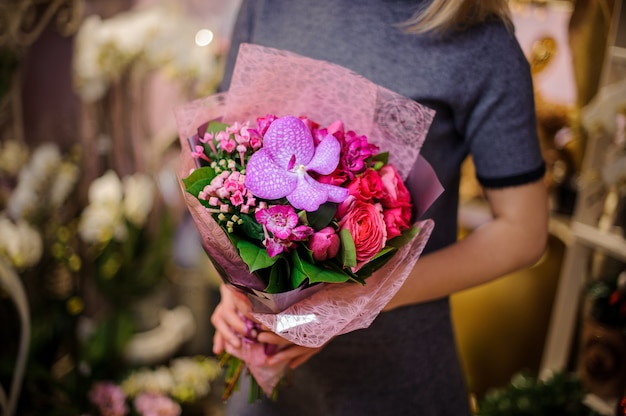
(279, 169)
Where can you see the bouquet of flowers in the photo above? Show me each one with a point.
(297, 205)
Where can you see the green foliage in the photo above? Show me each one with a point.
(561, 394)
(304, 271)
(322, 217)
(254, 256)
(198, 179)
(608, 302)
(136, 266)
(347, 253)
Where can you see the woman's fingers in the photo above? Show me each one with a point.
(268, 337)
(218, 343)
(227, 318)
(294, 355)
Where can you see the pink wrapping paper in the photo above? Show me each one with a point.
(269, 81)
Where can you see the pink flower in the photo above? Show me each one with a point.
(396, 221)
(394, 191)
(337, 178)
(367, 187)
(108, 398)
(354, 152)
(150, 404)
(263, 123)
(280, 169)
(396, 202)
(282, 222)
(365, 223)
(324, 244)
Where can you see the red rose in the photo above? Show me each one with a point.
(365, 223)
(397, 220)
(367, 187)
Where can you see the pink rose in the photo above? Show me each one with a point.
(397, 220)
(365, 223)
(367, 187)
(396, 202)
(324, 244)
(394, 191)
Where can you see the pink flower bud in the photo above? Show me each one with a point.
(324, 244)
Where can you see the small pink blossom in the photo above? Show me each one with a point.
(198, 153)
(236, 198)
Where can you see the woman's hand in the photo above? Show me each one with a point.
(228, 319)
(292, 354)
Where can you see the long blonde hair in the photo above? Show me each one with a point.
(443, 15)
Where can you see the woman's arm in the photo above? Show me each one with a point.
(514, 239)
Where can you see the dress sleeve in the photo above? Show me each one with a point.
(501, 126)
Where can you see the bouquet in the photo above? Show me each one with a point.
(297, 205)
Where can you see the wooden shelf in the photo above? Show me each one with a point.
(612, 244)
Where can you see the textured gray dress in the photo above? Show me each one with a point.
(479, 83)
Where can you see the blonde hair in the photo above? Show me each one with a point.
(444, 15)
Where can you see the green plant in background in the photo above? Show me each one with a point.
(608, 301)
(526, 395)
(128, 236)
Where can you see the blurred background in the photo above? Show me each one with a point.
(105, 291)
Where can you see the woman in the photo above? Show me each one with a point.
(461, 59)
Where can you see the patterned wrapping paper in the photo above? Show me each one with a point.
(270, 81)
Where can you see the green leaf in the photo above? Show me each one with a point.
(203, 175)
(347, 254)
(377, 261)
(278, 282)
(303, 271)
(382, 157)
(254, 256)
(251, 228)
(323, 216)
(404, 238)
(216, 127)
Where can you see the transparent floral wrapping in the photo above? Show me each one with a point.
(270, 81)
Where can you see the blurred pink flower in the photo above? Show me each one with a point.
(108, 398)
(150, 404)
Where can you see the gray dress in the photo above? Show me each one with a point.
(479, 83)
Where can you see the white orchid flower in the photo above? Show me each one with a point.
(20, 243)
(139, 192)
